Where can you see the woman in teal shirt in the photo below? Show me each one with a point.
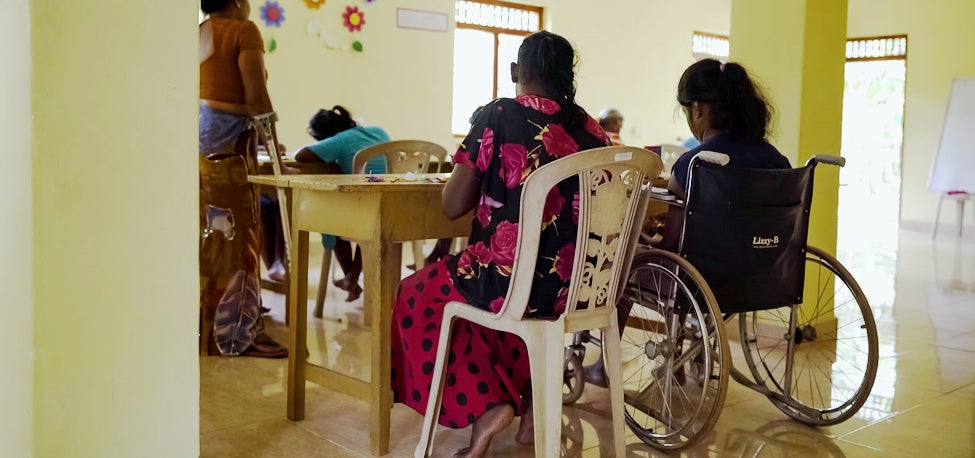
(338, 139)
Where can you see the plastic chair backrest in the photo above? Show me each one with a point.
(614, 184)
(745, 231)
(402, 156)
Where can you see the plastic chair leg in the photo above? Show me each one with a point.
(546, 373)
(323, 280)
(614, 374)
(424, 447)
(937, 216)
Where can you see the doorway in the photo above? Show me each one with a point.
(873, 133)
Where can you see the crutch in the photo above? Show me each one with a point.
(264, 124)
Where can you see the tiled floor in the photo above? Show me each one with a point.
(922, 403)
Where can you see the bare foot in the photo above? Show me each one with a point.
(354, 293)
(342, 283)
(485, 428)
(526, 429)
(276, 272)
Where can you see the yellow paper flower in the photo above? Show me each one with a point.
(314, 4)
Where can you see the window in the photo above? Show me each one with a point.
(876, 48)
(710, 46)
(486, 40)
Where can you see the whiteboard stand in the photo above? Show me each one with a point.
(960, 197)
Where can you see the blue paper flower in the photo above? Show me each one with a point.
(272, 13)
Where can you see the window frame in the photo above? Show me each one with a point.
(497, 31)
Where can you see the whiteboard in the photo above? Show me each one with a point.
(954, 164)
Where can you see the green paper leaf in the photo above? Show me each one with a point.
(273, 45)
(357, 46)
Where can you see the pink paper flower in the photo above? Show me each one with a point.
(353, 19)
(503, 244)
(514, 158)
(557, 142)
(486, 151)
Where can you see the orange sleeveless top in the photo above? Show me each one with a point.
(219, 74)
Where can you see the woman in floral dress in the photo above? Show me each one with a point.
(488, 380)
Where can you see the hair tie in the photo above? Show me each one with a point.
(721, 67)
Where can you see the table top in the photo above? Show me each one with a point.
(356, 183)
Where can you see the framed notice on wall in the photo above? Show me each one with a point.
(954, 164)
(421, 20)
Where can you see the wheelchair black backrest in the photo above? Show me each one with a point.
(745, 231)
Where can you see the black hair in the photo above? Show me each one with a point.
(549, 59)
(327, 123)
(738, 105)
(210, 6)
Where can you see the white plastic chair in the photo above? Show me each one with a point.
(402, 156)
(614, 187)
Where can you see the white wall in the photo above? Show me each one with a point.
(16, 331)
(940, 46)
(401, 81)
(631, 56)
(114, 99)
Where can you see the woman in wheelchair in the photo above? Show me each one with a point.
(727, 112)
(488, 376)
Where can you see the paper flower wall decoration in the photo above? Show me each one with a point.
(272, 13)
(314, 4)
(369, 2)
(353, 19)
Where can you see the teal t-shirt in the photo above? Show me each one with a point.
(341, 148)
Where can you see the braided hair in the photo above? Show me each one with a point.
(549, 59)
(738, 105)
(327, 123)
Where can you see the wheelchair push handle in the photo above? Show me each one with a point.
(827, 159)
(713, 158)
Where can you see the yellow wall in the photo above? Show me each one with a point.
(940, 46)
(401, 81)
(15, 243)
(799, 58)
(114, 99)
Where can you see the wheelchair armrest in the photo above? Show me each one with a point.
(827, 159)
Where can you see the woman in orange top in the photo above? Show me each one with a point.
(232, 89)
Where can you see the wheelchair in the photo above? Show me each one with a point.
(807, 334)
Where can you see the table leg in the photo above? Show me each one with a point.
(382, 266)
(298, 326)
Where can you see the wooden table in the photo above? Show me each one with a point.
(379, 216)
(264, 168)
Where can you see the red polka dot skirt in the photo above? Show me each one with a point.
(485, 367)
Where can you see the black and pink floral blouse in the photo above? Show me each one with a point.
(508, 140)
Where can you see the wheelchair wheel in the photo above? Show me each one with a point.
(818, 371)
(573, 373)
(674, 353)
